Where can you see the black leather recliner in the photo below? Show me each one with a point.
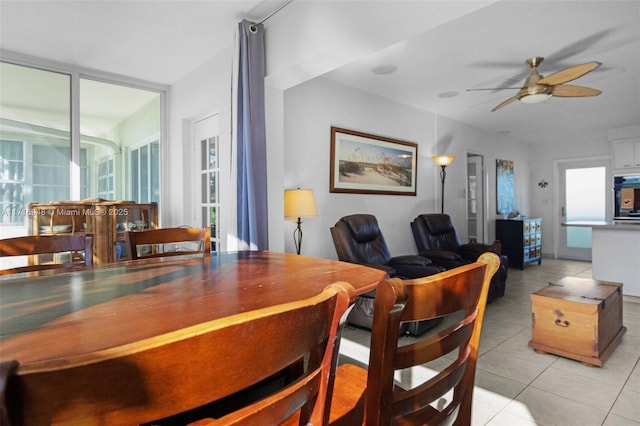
(358, 239)
(436, 238)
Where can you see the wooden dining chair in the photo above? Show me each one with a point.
(371, 397)
(169, 242)
(150, 380)
(35, 245)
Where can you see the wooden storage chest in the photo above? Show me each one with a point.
(577, 318)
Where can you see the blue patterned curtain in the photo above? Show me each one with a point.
(252, 164)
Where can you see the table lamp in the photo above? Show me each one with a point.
(299, 203)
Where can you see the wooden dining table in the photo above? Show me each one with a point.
(56, 316)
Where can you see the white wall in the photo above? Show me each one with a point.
(298, 125)
(203, 92)
(310, 110)
(545, 157)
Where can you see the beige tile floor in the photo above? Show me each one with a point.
(517, 386)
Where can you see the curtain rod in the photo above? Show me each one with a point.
(276, 10)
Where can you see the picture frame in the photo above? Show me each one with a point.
(504, 186)
(363, 163)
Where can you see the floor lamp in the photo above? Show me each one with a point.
(443, 161)
(299, 203)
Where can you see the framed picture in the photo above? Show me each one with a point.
(367, 164)
(504, 186)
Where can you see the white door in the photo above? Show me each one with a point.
(207, 182)
(585, 196)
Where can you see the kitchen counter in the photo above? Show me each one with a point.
(615, 254)
(620, 226)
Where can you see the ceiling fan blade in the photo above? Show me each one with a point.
(494, 88)
(505, 103)
(569, 74)
(579, 46)
(569, 91)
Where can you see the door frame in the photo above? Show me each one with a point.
(559, 192)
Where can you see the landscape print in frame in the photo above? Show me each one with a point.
(368, 164)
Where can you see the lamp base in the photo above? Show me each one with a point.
(297, 236)
(443, 176)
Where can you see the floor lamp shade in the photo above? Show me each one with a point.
(443, 161)
(299, 203)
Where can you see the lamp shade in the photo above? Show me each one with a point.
(299, 203)
(443, 160)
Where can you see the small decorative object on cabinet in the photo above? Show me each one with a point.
(521, 240)
(107, 220)
(578, 318)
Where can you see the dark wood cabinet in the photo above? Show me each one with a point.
(521, 240)
(107, 220)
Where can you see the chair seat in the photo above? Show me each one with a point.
(347, 405)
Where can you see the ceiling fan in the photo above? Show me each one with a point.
(538, 88)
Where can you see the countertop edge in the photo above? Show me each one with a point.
(605, 225)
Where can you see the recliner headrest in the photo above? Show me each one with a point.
(437, 223)
(364, 227)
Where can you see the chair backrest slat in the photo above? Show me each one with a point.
(34, 245)
(165, 236)
(461, 291)
(180, 371)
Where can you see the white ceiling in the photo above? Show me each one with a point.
(158, 41)
(488, 48)
(162, 41)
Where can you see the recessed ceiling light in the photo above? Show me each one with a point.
(384, 69)
(449, 94)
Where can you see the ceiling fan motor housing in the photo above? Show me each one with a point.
(531, 87)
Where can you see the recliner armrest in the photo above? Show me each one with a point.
(410, 259)
(413, 266)
(472, 251)
(440, 254)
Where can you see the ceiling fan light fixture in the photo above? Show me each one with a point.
(535, 98)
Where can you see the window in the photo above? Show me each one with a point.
(11, 181)
(106, 179)
(145, 173)
(39, 161)
(50, 169)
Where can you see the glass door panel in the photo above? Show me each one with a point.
(584, 199)
(35, 144)
(207, 148)
(120, 126)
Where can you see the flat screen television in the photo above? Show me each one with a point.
(626, 197)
